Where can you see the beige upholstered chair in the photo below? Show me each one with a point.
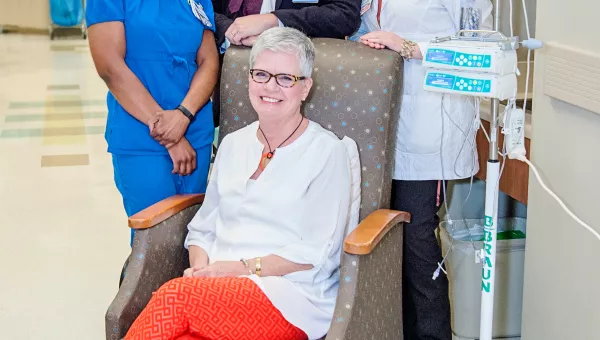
(356, 94)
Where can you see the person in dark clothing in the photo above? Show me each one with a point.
(239, 22)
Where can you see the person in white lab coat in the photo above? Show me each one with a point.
(265, 246)
(435, 142)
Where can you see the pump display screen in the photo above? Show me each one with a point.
(457, 83)
(450, 57)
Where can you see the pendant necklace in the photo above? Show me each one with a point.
(266, 157)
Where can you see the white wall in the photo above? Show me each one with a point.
(562, 272)
(25, 13)
(519, 26)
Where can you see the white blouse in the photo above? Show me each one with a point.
(297, 209)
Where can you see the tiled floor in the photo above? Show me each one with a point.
(63, 232)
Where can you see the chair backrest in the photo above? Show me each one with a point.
(356, 93)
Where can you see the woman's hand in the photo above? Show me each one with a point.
(168, 127)
(250, 25)
(184, 157)
(190, 271)
(249, 41)
(222, 269)
(198, 260)
(382, 39)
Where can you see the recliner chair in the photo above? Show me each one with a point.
(356, 93)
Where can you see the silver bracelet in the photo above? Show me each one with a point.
(245, 262)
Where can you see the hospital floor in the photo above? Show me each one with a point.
(63, 232)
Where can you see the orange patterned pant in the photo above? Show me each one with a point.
(211, 309)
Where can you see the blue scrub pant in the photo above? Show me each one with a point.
(145, 180)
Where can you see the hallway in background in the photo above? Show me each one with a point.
(63, 230)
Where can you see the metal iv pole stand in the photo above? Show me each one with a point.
(491, 218)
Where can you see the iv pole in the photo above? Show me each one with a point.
(491, 218)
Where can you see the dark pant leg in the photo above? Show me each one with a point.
(425, 301)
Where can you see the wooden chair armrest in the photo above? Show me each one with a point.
(372, 229)
(164, 209)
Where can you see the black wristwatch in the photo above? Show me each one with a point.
(186, 112)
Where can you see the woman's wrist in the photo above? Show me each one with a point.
(255, 266)
(246, 265)
(198, 257)
(191, 105)
(409, 50)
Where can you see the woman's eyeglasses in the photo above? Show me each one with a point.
(282, 79)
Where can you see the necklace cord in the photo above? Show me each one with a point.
(271, 152)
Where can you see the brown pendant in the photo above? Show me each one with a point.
(265, 160)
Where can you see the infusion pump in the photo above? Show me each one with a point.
(484, 66)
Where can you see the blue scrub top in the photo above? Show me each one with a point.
(162, 37)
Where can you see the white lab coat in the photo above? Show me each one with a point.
(423, 136)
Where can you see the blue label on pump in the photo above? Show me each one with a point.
(440, 56)
(443, 81)
(450, 57)
(457, 83)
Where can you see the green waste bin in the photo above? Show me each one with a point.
(464, 275)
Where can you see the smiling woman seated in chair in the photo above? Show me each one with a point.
(265, 246)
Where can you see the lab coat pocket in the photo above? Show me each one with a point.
(419, 126)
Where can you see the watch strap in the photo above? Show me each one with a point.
(186, 112)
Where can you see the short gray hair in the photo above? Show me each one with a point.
(286, 40)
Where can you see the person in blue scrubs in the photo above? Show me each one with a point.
(160, 63)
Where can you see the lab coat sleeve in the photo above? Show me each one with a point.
(423, 47)
(202, 228)
(326, 209)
